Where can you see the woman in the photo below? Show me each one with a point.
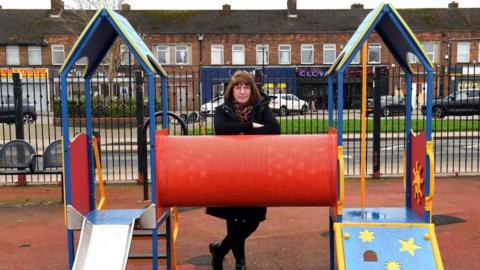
(245, 111)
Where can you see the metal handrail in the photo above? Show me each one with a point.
(102, 204)
(431, 159)
(341, 167)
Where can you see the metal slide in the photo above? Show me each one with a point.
(105, 239)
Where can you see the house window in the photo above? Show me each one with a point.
(127, 57)
(262, 49)
(356, 59)
(430, 49)
(34, 55)
(329, 53)
(163, 54)
(374, 54)
(58, 54)
(307, 54)
(284, 52)
(216, 54)
(181, 54)
(238, 54)
(13, 55)
(463, 52)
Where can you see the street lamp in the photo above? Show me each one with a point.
(263, 62)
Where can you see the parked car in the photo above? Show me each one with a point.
(389, 105)
(462, 102)
(208, 108)
(7, 113)
(283, 104)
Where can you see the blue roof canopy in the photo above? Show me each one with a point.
(99, 35)
(395, 33)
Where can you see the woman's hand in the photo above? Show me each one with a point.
(257, 125)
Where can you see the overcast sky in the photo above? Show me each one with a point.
(248, 4)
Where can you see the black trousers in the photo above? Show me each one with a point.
(237, 233)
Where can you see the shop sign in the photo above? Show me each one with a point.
(24, 72)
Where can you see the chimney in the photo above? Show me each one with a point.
(356, 6)
(125, 6)
(226, 7)
(292, 8)
(453, 4)
(56, 7)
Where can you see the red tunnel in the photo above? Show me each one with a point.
(264, 170)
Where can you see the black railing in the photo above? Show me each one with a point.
(298, 97)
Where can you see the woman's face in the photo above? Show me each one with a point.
(241, 93)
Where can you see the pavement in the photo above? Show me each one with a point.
(33, 234)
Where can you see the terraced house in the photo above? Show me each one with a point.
(288, 50)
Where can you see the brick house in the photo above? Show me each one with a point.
(297, 46)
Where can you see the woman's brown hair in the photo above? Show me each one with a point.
(242, 77)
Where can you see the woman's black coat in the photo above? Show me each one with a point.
(227, 123)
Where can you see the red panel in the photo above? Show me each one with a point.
(418, 157)
(264, 170)
(79, 174)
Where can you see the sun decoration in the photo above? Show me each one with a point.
(393, 265)
(417, 182)
(409, 246)
(366, 236)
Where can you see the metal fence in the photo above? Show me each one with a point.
(300, 103)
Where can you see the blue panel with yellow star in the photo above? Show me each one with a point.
(387, 246)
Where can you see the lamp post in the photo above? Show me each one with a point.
(263, 62)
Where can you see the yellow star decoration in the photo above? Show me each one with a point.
(417, 182)
(409, 246)
(393, 265)
(366, 236)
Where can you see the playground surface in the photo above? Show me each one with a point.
(33, 235)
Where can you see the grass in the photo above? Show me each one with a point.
(309, 126)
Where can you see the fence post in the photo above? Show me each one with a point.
(19, 133)
(376, 125)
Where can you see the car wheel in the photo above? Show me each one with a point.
(283, 111)
(304, 109)
(28, 118)
(386, 111)
(438, 112)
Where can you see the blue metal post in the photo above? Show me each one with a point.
(66, 157)
(151, 108)
(408, 139)
(88, 112)
(164, 102)
(429, 138)
(330, 100)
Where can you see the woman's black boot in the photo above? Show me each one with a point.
(240, 264)
(217, 257)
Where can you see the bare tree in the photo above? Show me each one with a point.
(81, 12)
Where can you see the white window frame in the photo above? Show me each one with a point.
(163, 50)
(329, 48)
(13, 55)
(371, 47)
(432, 55)
(303, 49)
(463, 57)
(282, 49)
(38, 57)
(259, 49)
(177, 50)
(216, 54)
(412, 59)
(125, 53)
(238, 49)
(356, 58)
(57, 48)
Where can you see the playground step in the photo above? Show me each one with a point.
(147, 235)
(143, 258)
